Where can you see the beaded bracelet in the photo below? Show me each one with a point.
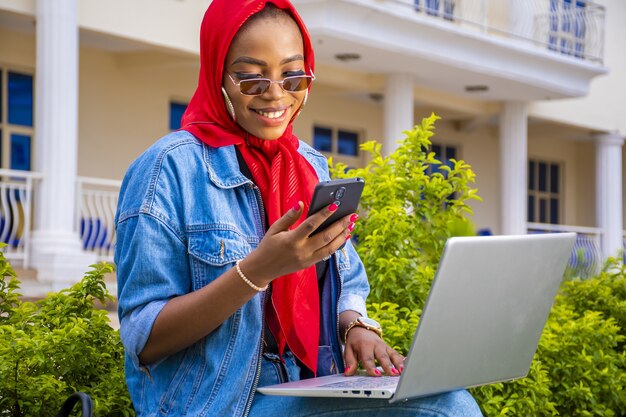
(246, 280)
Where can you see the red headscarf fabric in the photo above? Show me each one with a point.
(283, 176)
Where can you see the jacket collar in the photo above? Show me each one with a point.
(223, 167)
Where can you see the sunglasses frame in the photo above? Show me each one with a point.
(279, 82)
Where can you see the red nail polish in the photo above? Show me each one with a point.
(377, 372)
(395, 371)
(351, 227)
(354, 217)
(348, 237)
(401, 368)
(333, 207)
(347, 370)
(297, 206)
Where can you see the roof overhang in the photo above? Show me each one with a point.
(441, 55)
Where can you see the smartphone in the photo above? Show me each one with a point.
(346, 193)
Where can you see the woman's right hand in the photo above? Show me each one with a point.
(283, 251)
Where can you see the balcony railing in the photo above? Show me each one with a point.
(97, 202)
(569, 27)
(586, 258)
(16, 202)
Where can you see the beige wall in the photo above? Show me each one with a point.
(149, 21)
(123, 110)
(577, 162)
(480, 149)
(329, 107)
(17, 50)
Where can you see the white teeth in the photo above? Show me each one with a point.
(271, 115)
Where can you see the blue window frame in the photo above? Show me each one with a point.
(16, 119)
(20, 99)
(444, 154)
(338, 141)
(323, 139)
(20, 152)
(544, 192)
(177, 109)
(347, 143)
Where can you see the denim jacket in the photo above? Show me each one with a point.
(186, 213)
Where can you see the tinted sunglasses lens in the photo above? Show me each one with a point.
(254, 87)
(296, 83)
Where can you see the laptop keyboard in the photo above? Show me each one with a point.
(365, 382)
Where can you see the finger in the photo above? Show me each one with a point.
(382, 356)
(396, 358)
(369, 364)
(287, 220)
(314, 221)
(350, 360)
(328, 248)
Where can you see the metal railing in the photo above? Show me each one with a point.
(586, 258)
(16, 202)
(569, 27)
(97, 202)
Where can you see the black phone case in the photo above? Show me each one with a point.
(345, 192)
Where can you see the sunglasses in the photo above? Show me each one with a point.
(258, 86)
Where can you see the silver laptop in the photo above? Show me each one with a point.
(481, 323)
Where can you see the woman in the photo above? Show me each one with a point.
(221, 289)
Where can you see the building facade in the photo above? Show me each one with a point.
(532, 94)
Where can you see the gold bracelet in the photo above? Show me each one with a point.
(246, 280)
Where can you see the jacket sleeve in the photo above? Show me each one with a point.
(355, 286)
(152, 268)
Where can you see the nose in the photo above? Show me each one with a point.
(274, 92)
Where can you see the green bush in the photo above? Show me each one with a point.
(411, 204)
(59, 345)
(409, 210)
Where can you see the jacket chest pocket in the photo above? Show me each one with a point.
(213, 251)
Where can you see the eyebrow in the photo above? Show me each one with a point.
(254, 61)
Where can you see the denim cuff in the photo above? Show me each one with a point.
(352, 302)
(136, 328)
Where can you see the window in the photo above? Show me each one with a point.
(337, 141)
(544, 192)
(16, 119)
(567, 27)
(444, 154)
(177, 110)
(434, 7)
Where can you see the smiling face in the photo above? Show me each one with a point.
(271, 48)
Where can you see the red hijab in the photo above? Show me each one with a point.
(283, 176)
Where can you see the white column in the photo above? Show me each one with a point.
(56, 248)
(398, 109)
(609, 191)
(513, 168)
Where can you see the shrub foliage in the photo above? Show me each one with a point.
(59, 345)
(409, 210)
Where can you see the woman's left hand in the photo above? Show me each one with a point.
(365, 347)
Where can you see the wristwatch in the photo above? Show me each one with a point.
(366, 323)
